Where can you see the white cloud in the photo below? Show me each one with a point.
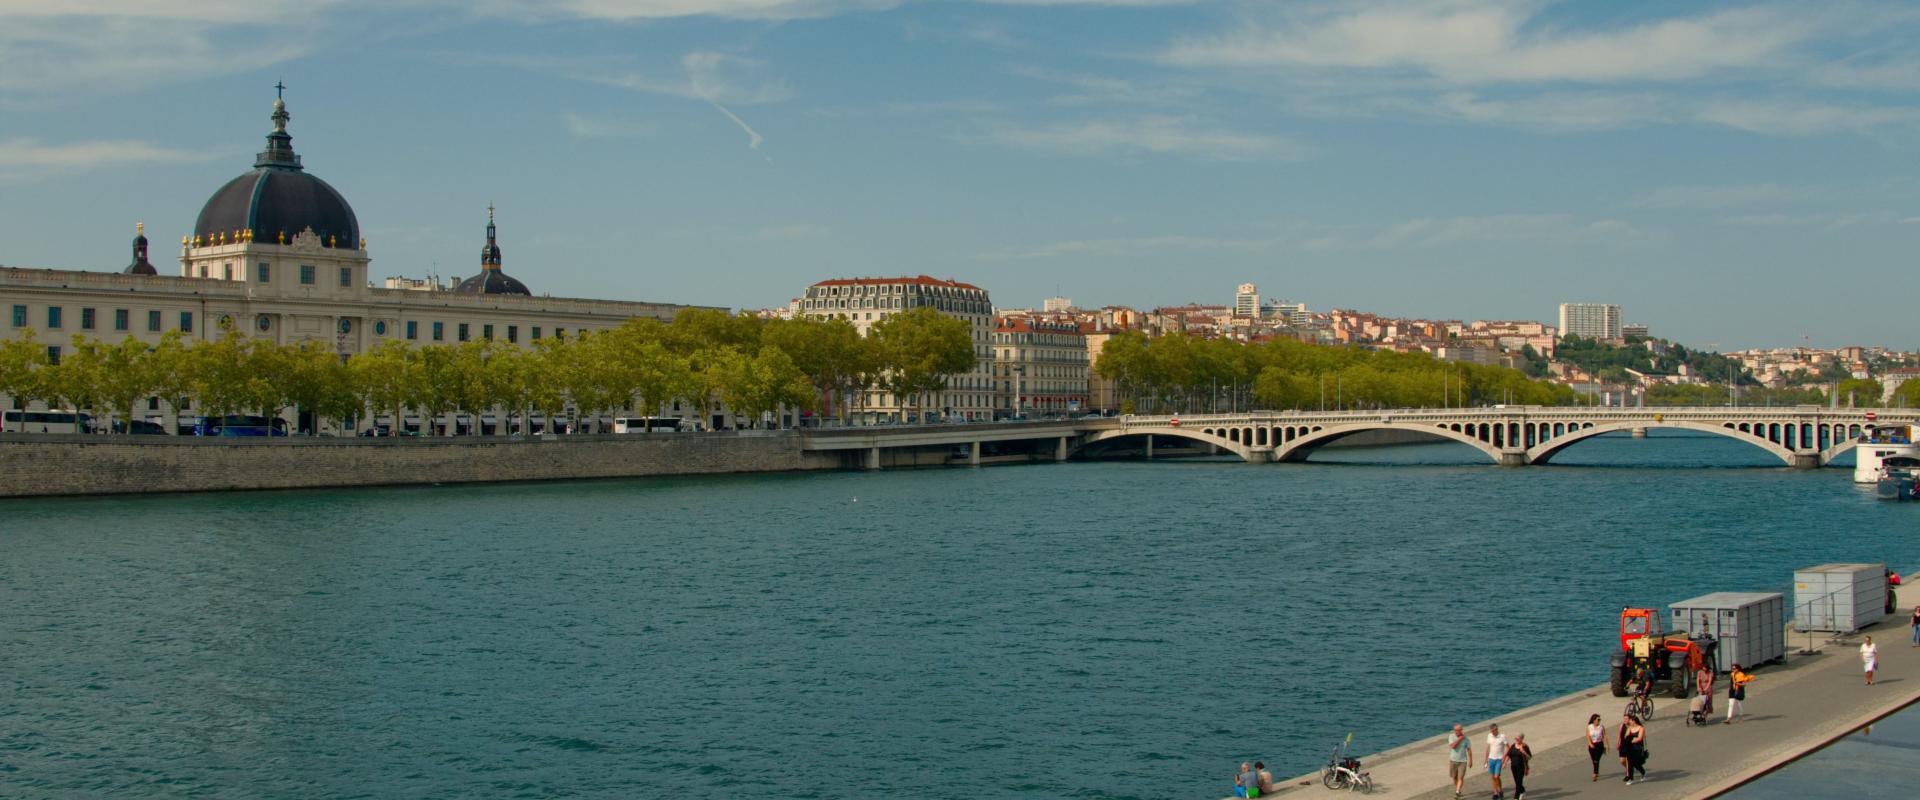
(1796, 118)
(1485, 41)
(1554, 111)
(1129, 246)
(1161, 135)
(88, 48)
(1719, 196)
(1538, 229)
(28, 157)
(1542, 230)
(704, 75)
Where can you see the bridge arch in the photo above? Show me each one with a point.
(1544, 452)
(1299, 449)
(1206, 435)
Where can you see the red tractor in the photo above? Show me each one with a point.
(1668, 656)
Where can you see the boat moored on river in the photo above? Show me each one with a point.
(1884, 450)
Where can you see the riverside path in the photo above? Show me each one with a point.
(1792, 708)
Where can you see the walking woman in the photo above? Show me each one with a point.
(1870, 658)
(1737, 681)
(1633, 744)
(1596, 743)
(1518, 754)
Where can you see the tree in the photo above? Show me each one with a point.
(319, 383)
(127, 375)
(172, 365)
(1859, 392)
(920, 350)
(22, 360)
(831, 353)
(546, 375)
(268, 378)
(76, 380)
(751, 387)
(219, 373)
(388, 377)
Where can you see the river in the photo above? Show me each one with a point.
(1110, 629)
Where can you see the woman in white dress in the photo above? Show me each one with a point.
(1870, 658)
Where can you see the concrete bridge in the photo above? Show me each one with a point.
(1804, 437)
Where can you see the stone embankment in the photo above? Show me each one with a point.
(52, 464)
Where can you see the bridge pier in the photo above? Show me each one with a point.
(973, 454)
(1640, 433)
(1513, 458)
(873, 458)
(1060, 449)
(1805, 461)
(1149, 447)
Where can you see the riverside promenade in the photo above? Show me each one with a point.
(1791, 709)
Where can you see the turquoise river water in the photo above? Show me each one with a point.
(1092, 630)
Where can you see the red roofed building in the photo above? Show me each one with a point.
(864, 301)
(1041, 365)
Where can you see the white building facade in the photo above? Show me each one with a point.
(865, 301)
(1590, 321)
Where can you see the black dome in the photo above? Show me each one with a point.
(279, 197)
(491, 281)
(273, 200)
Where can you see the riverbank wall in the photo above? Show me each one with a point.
(38, 465)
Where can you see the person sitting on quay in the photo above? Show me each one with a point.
(1246, 782)
(1266, 778)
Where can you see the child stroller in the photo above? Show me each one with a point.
(1697, 710)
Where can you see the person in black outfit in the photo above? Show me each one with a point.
(1518, 754)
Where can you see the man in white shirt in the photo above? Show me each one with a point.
(1496, 757)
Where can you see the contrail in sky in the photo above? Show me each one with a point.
(753, 138)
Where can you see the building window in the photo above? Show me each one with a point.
(186, 321)
(486, 332)
(536, 331)
(559, 333)
(53, 317)
(203, 270)
(229, 271)
(263, 273)
(121, 319)
(439, 331)
(153, 321)
(19, 316)
(153, 404)
(463, 331)
(346, 277)
(413, 329)
(86, 319)
(306, 274)
(380, 328)
(53, 355)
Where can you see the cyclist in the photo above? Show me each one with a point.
(1643, 682)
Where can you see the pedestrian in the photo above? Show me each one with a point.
(1459, 759)
(1916, 626)
(1496, 758)
(1633, 744)
(1737, 681)
(1596, 743)
(1518, 754)
(1704, 679)
(1869, 658)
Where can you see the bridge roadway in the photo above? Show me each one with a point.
(1804, 437)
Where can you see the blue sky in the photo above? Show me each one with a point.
(1731, 173)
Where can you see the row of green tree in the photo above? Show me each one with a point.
(1182, 373)
(703, 358)
(1851, 392)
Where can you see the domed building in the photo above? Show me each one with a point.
(278, 253)
(491, 279)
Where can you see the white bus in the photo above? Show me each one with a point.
(51, 421)
(646, 424)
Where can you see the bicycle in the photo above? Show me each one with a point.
(1343, 772)
(1640, 707)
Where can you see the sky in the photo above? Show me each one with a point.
(1732, 174)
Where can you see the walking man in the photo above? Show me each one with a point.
(1916, 626)
(1459, 759)
(1496, 757)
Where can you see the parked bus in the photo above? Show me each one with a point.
(240, 425)
(646, 424)
(52, 421)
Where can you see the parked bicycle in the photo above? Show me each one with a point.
(1343, 771)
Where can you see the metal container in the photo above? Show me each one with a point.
(1750, 627)
(1842, 598)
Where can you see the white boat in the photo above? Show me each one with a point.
(1884, 449)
